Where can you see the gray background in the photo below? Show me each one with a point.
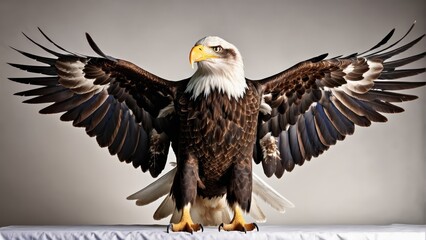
(52, 173)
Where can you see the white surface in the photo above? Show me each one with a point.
(53, 173)
(389, 232)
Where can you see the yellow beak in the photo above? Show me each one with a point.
(200, 53)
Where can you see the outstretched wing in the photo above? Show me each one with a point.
(114, 100)
(315, 103)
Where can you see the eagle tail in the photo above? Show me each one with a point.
(256, 212)
(270, 195)
(155, 190)
(208, 211)
(166, 208)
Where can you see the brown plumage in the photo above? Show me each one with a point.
(217, 121)
(219, 139)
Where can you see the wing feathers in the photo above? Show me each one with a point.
(303, 138)
(90, 108)
(391, 45)
(95, 120)
(401, 73)
(399, 50)
(130, 141)
(338, 120)
(389, 66)
(317, 146)
(323, 127)
(296, 150)
(112, 124)
(393, 85)
(56, 45)
(68, 104)
(46, 70)
(385, 96)
(119, 139)
(46, 60)
(60, 95)
(41, 91)
(42, 81)
(318, 102)
(141, 149)
(385, 107)
(110, 98)
(286, 156)
(44, 48)
(381, 43)
(97, 49)
(349, 114)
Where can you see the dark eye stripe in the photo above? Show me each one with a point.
(225, 52)
(228, 53)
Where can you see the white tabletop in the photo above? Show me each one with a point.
(118, 232)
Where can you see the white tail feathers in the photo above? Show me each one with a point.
(155, 190)
(270, 195)
(255, 212)
(166, 208)
(207, 211)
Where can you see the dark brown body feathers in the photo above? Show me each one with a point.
(218, 134)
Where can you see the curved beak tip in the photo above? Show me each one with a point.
(198, 53)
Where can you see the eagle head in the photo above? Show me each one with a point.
(219, 68)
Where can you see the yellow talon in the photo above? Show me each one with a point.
(186, 224)
(238, 223)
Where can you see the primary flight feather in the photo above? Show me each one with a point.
(217, 121)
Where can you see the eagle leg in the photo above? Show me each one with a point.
(238, 223)
(185, 224)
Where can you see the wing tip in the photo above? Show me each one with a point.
(14, 49)
(15, 65)
(319, 57)
(95, 48)
(43, 47)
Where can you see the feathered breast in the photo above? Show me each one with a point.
(216, 128)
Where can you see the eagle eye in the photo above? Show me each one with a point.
(217, 48)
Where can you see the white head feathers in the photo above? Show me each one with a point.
(224, 73)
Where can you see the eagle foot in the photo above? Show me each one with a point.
(185, 227)
(237, 226)
(185, 224)
(238, 223)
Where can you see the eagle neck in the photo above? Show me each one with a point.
(206, 80)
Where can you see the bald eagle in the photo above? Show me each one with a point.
(218, 122)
